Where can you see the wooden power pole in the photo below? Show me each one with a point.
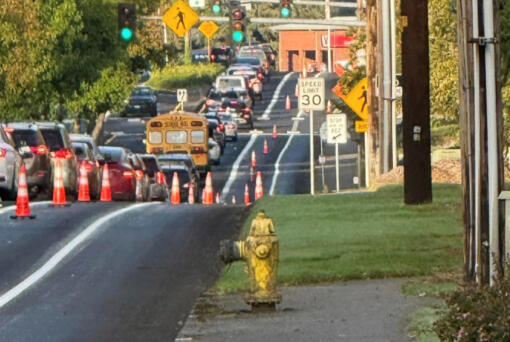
(416, 102)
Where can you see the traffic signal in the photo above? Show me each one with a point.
(216, 8)
(126, 15)
(285, 10)
(238, 25)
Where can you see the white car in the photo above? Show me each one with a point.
(230, 125)
(231, 83)
(214, 152)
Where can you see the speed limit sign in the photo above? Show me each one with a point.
(311, 94)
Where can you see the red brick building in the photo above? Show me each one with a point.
(307, 44)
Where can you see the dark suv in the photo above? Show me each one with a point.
(58, 142)
(32, 147)
(142, 102)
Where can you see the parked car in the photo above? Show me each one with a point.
(141, 103)
(214, 152)
(140, 174)
(185, 178)
(59, 144)
(86, 157)
(157, 183)
(230, 126)
(121, 172)
(30, 143)
(184, 159)
(10, 162)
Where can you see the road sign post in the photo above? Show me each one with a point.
(180, 18)
(311, 98)
(182, 96)
(337, 134)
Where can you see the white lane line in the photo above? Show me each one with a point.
(235, 167)
(280, 156)
(33, 204)
(62, 253)
(269, 108)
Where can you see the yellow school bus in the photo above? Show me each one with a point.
(179, 132)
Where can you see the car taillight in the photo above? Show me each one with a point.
(3, 152)
(198, 149)
(128, 174)
(266, 64)
(210, 102)
(139, 174)
(233, 102)
(41, 149)
(156, 150)
(160, 178)
(221, 126)
(64, 153)
(213, 57)
(246, 110)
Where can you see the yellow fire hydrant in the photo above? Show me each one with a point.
(260, 251)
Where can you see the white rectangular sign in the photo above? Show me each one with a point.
(337, 128)
(311, 94)
(182, 95)
(197, 3)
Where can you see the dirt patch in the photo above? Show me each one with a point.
(444, 171)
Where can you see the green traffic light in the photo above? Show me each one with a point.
(126, 33)
(237, 36)
(216, 9)
(285, 12)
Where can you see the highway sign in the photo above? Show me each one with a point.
(208, 28)
(357, 99)
(180, 18)
(311, 94)
(361, 126)
(197, 3)
(182, 95)
(337, 128)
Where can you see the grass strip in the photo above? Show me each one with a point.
(173, 77)
(359, 236)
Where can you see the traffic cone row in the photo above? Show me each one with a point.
(208, 190)
(59, 192)
(175, 197)
(287, 103)
(266, 149)
(275, 132)
(83, 184)
(253, 159)
(22, 201)
(247, 194)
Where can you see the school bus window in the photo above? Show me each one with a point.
(155, 137)
(197, 137)
(176, 137)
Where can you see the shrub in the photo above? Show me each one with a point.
(477, 314)
(185, 75)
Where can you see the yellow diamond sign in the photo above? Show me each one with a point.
(357, 99)
(208, 28)
(180, 18)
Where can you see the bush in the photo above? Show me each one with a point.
(480, 314)
(183, 76)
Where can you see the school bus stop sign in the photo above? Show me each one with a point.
(208, 28)
(180, 18)
(357, 99)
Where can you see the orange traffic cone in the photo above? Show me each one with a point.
(106, 190)
(287, 103)
(233, 199)
(175, 197)
(266, 149)
(247, 195)
(259, 191)
(208, 191)
(22, 202)
(59, 193)
(329, 109)
(217, 198)
(191, 193)
(275, 132)
(83, 184)
(253, 159)
(203, 195)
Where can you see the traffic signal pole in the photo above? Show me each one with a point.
(416, 103)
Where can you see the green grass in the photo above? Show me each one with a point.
(422, 322)
(427, 288)
(359, 236)
(183, 76)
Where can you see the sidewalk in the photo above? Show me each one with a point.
(361, 311)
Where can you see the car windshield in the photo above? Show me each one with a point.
(182, 174)
(226, 117)
(246, 60)
(24, 138)
(53, 139)
(150, 164)
(230, 94)
(113, 155)
(142, 92)
(225, 82)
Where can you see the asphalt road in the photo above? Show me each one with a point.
(131, 272)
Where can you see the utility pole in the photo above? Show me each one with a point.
(416, 102)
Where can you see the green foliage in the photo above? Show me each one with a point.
(477, 313)
(182, 76)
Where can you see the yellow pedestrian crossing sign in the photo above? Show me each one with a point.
(180, 18)
(208, 28)
(357, 99)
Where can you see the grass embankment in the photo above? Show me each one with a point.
(359, 236)
(184, 76)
